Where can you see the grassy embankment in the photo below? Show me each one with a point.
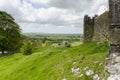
(55, 63)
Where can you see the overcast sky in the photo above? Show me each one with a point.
(52, 16)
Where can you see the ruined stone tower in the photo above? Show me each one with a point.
(114, 28)
(88, 28)
(113, 62)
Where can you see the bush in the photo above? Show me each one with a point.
(68, 45)
(37, 44)
(27, 48)
(48, 43)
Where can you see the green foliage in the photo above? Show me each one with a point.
(3, 41)
(44, 39)
(10, 31)
(55, 38)
(68, 45)
(37, 44)
(48, 43)
(101, 47)
(27, 48)
(54, 63)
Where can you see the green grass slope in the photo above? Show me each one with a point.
(55, 63)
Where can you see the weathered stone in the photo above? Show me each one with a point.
(114, 55)
(117, 60)
(101, 27)
(114, 77)
(115, 49)
(76, 70)
(96, 77)
(114, 11)
(89, 72)
(108, 60)
(113, 66)
(112, 69)
(88, 28)
(96, 28)
(114, 28)
(114, 36)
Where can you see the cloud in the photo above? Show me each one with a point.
(40, 1)
(66, 4)
(99, 6)
(77, 5)
(10, 6)
(102, 9)
(48, 28)
(52, 16)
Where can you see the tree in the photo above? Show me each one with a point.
(10, 37)
(27, 48)
(2, 43)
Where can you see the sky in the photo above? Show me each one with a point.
(52, 16)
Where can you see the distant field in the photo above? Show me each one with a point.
(55, 63)
(56, 38)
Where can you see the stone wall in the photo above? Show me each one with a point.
(107, 24)
(114, 6)
(101, 26)
(96, 28)
(88, 28)
(113, 61)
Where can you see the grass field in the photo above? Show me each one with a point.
(55, 63)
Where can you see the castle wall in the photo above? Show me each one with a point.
(114, 28)
(96, 28)
(104, 26)
(107, 24)
(88, 28)
(113, 61)
(114, 21)
(101, 27)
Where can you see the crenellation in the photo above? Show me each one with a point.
(96, 28)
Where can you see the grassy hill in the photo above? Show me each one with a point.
(55, 63)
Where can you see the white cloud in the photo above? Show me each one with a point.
(102, 9)
(49, 15)
(99, 6)
(66, 4)
(40, 1)
(60, 16)
(40, 28)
